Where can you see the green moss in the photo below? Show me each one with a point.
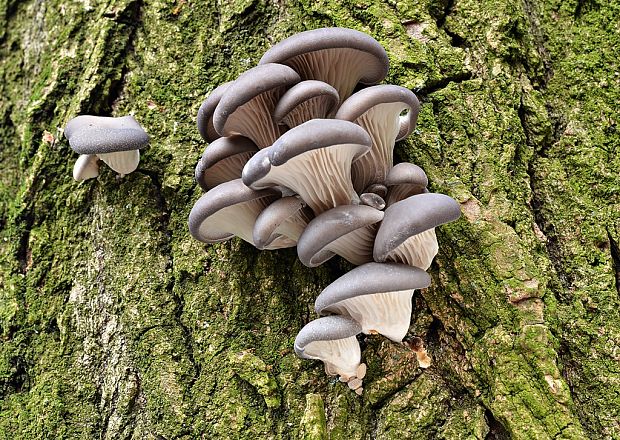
(313, 423)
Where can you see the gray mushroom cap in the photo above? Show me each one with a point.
(405, 180)
(372, 199)
(321, 178)
(342, 230)
(237, 206)
(286, 217)
(100, 134)
(410, 217)
(223, 160)
(369, 279)
(305, 101)
(327, 328)
(246, 107)
(204, 121)
(338, 56)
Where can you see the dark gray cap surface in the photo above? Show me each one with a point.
(372, 199)
(219, 150)
(372, 278)
(222, 196)
(412, 216)
(100, 134)
(327, 328)
(301, 93)
(331, 38)
(204, 121)
(330, 226)
(406, 174)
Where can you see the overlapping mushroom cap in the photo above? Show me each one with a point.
(376, 295)
(338, 56)
(204, 121)
(223, 160)
(285, 219)
(405, 180)
(305, 101)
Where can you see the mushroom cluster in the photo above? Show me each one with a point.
(298, 157)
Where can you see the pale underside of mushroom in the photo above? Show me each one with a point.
(317, 107)
(418, 250)
(355, 247)
(287, 233)
(123, 162)
(227, 170)
(233, 220)
(254, 119)
(383, 123)
(86, 167)
(387, 313)
(340, 356)
(339, 67)
(321, 177)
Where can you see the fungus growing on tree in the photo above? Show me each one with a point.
(313, 160)
(286, 218)
(86, 167)
(305, 101)
(376, 295)
(405, 180)
(204, 120)
(338, 56)
(116, 141)
(247, 105)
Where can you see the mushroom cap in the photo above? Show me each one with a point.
(100, 134)
(372, 199)
(322, 98)
(264, 80)
(273, 221)
(204, 120)
(407, 174)
(233, 194)
(86, 167)
(327, 328)
(223, 160)
(318, 156)
(313, 245)
(369, 279)
(412, 216)
(362, 101)
(338, 56)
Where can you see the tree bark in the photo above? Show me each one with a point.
(116, 324)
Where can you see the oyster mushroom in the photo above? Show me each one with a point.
(115, 141)
(376, 295)
(204, 120)
(405, 180)
(285, 218)
(407, 232)
(246, 107)
(332, 340)
(223, 160)
(338, 56)
(86, 167)
(378, 110)
(348, 231)
(304, 101)
(313, 160)
(228, 209)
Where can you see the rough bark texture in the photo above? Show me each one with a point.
(116, 324)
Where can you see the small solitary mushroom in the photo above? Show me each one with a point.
(304, 101)
(247, 105)
(313, 160)
(348, 231)
(116, 141)
(286, 218)
(378, 110)
(376, 295)
(332, 340)
(86, 167)
(405, 180)
(227, 210)
(407, 232)
(204, 120)
(338, 56)
(223, 160)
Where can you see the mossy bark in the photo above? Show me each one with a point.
(116, 324)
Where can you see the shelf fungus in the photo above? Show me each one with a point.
(338, 56)
(247, 105)
(378, 110)
(407, 232)
(331, 339)
(284, 220)
(348, 231)
(305, 101)
(116, 141)
(204, 120)
(376, 295)
(229, 209)
(223, 160)
(313, 160)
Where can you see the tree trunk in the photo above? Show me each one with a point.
(116, 324)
